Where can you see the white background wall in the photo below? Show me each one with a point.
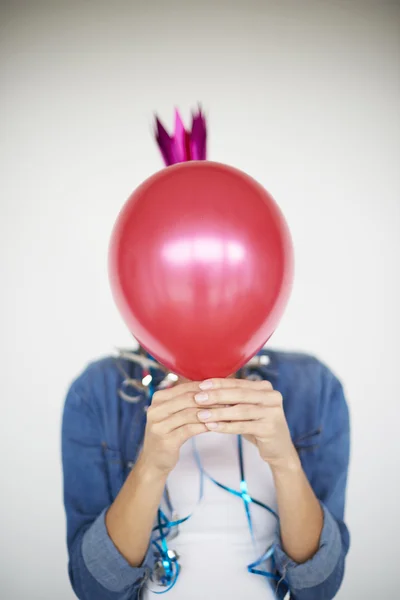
(305, 97)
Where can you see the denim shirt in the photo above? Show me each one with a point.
(101, 438)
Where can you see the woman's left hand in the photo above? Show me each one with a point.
(250, 408)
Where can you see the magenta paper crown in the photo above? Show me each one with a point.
(183, 145)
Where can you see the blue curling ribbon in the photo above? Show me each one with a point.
(243, 487)
(164, 527)
(247, 500)
(170, 565)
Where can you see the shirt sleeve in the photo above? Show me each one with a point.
(96, 568)
(320, 577)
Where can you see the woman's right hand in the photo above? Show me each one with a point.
(171, 421)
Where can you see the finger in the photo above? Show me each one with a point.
(239, 412)
(239, 396)
(186, 432)
(193, 386)
(219, 383)
(164, 409)
(159, 412)
(184, 417)
(236, 427)
(176, 390)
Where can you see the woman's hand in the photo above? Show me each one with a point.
(253, 409)
(171, 421)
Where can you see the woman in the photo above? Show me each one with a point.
(227, 487)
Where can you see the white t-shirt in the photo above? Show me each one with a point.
(215, 544)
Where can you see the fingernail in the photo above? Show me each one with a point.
(204, 415)
(206, 385)
(201, 397)
(212, 425)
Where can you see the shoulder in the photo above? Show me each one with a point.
(95, 411)
(95, 375)
(312, 392)
(98, 382)
(301, 369)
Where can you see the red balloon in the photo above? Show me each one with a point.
(201, 267)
